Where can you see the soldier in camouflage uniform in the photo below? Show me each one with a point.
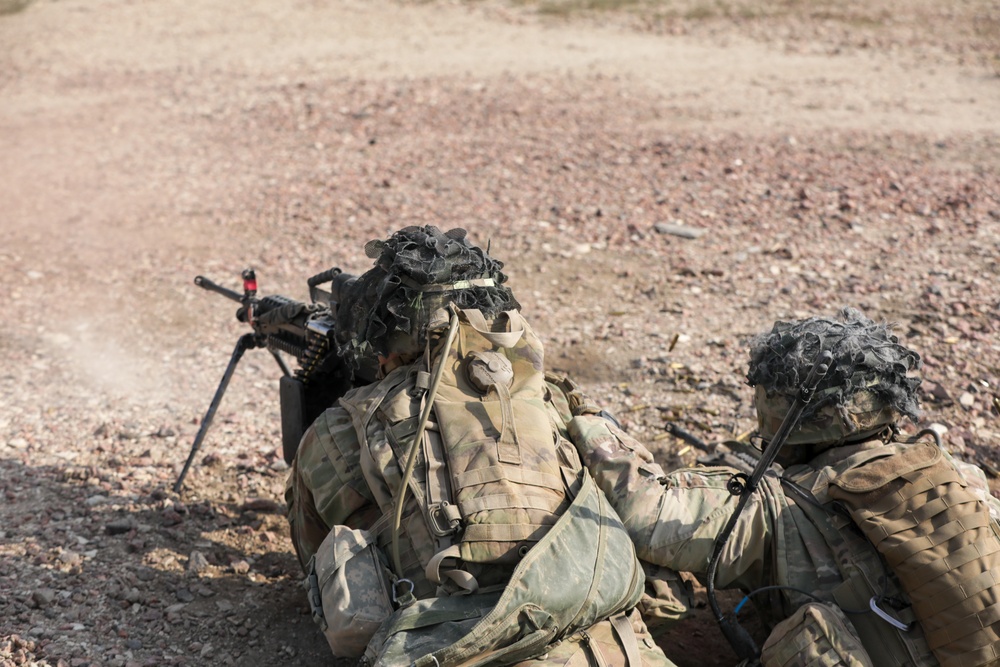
(859, 549)
(440, 511)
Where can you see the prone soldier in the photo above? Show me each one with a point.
(441, 512)
(861, 549)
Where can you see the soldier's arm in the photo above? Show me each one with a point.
(325, 486)
(674, 518)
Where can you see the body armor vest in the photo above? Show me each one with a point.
(941, 543)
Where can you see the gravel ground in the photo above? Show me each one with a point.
(146, 145)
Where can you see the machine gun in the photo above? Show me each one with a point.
(304, 331)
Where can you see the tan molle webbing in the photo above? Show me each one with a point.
(816, 635)
(519, 475)
(940, 542)
(506, 473)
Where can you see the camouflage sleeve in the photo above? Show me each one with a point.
(557, 402)
(565, 399)
(674, 519)
(325, 486)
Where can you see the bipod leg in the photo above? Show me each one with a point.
(246, 342)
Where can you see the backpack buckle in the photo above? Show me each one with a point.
(404, 598)
(444, 519)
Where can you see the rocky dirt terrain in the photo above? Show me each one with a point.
(811, 156)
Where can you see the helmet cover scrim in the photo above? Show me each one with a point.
(869, 384)
(417, 271)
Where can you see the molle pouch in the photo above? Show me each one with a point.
(348, 590)
(816, 635)
(941, 543)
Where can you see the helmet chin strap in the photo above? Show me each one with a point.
(743, 486)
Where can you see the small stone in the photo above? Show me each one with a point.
(682, 231)
(937, 391)
(133, 644)
(118, 527)
(197, 562)
(240, 567)
(184, 595)
(967, 400)
(171, 517)
(261, 505)
(43, 597)
(70, 558)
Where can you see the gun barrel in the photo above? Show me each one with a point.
(205, 283)
(687, 436)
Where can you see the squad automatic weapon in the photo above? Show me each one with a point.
(304, 331)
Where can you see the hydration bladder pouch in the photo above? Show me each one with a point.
(941, 543)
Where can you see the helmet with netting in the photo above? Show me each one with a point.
(870, 384)
(418, 271)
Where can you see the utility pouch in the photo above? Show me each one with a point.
(816, 635)
(349, 580)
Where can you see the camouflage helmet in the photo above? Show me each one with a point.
(418, 271)
(869, 386)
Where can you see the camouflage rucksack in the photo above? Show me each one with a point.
(497, 509)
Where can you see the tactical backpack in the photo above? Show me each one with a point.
(504, 543)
